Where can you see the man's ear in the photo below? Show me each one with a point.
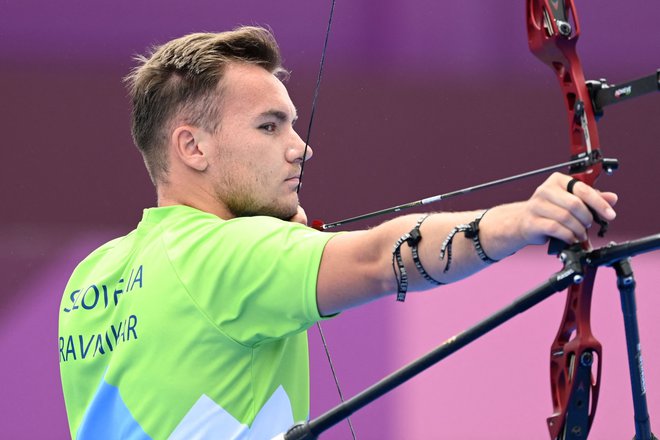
(187, 141)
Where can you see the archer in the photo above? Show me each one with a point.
(231, 275)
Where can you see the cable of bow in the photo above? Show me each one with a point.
(317, 88)
(575, 356)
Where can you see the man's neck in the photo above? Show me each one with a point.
(193, 197)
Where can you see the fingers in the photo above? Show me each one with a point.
(610, 197)
(564, 215)
(600, 202)
(559, 216)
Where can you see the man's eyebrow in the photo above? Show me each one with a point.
(282, 116)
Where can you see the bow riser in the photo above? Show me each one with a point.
(573, 345)
(575, 357)
(558, 51)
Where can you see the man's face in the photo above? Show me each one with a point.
(255, 165)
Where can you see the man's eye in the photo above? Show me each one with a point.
(270, 127)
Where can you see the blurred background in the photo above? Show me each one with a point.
(418, 98)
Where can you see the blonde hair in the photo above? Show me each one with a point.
(178, 81)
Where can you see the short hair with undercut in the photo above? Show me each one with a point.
(177, 82)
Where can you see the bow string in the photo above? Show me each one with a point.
(317, 90)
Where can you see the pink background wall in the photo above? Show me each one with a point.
(418, 98)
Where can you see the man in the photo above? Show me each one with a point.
(193, 325)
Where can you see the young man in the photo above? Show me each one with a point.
(193, 325)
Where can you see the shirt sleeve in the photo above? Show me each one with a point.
(254, 277)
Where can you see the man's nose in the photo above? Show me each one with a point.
(300, 150)
(309, 153)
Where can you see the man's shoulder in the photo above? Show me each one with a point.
(191, 225)
(103, 253)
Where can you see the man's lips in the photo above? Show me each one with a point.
(293, 181)
(294, 177)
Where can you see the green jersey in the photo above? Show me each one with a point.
(191, 327)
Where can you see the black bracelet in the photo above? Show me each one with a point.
(415, 238)
(412, 238)
(473, 233)
(397, 262)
